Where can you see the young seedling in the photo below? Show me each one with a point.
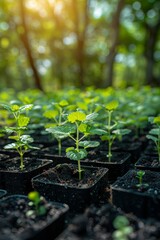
(154, 134)
(140, 175)
(22, 141)
(123, 229)
(111, 130)
(36, 202)
(57, 115)
(79, 127)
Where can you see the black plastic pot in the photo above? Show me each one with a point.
(16, 181)
(148, 163)
(21, 227)
(77, 196)
(119, 165)
(144, 201)
(3, 193)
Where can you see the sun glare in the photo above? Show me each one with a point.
(41, 4)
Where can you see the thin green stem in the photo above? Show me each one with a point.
(109, 136)
(79, 170)
(59, 147)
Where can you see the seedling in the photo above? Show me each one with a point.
(154, 134)
(112, 132)
(22, 141)
(140, 175)
(36, 202)
(57, 115)
(79, 127)
(123, 229)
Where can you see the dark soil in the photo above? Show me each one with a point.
(97, 224)
(101, 156)
(14, 164)
(67, 174)
(16, 225)
(148, 161)
(130, 181)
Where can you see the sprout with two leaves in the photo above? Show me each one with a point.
(154, 134)
(22, 141)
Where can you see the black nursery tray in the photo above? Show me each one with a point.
(143, 202)
(3, 193)
(15, 225)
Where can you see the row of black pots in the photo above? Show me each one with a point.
(17, 224)
(106, 222)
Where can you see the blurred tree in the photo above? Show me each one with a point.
(25, 39)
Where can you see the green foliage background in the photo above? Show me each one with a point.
(70, 41)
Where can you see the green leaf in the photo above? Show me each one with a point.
(63, 103)
(25, 108)
(157, 120)
(82, 127)
(121, 132)
(11, 146)
(14, 108)
(9, 130)
(76, 116)
(76, 155)
(154, 131)
(91, 116)
(51, 114)
(112, 105)
(89, 144)
(152, 138)
(69, 149)
(23, 121)
(61, 131)
(97, 131)
(26, 139)
(7, 107)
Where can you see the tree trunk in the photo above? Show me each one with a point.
(81, 39)
(114, 36)
(150, 44)
(25, 40)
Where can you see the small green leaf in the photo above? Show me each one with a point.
(11, 146)
(112, 105)
(26, 139)
(154, 131)
(91, 116)
(152, 138)
(157, 120)
(82, 127)
(89, 144)
(25, 108)
(97, 131)
(23, 121)
(50, 114)
(121, 131)
(63, 103)
(76, 155)
(15, 108)
(76, 116)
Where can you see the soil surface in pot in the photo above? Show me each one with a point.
(97, 224)
(67, 174)
(101, 156)
(148, 161)
(129, 182)
(14, 165)
(15, 224)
